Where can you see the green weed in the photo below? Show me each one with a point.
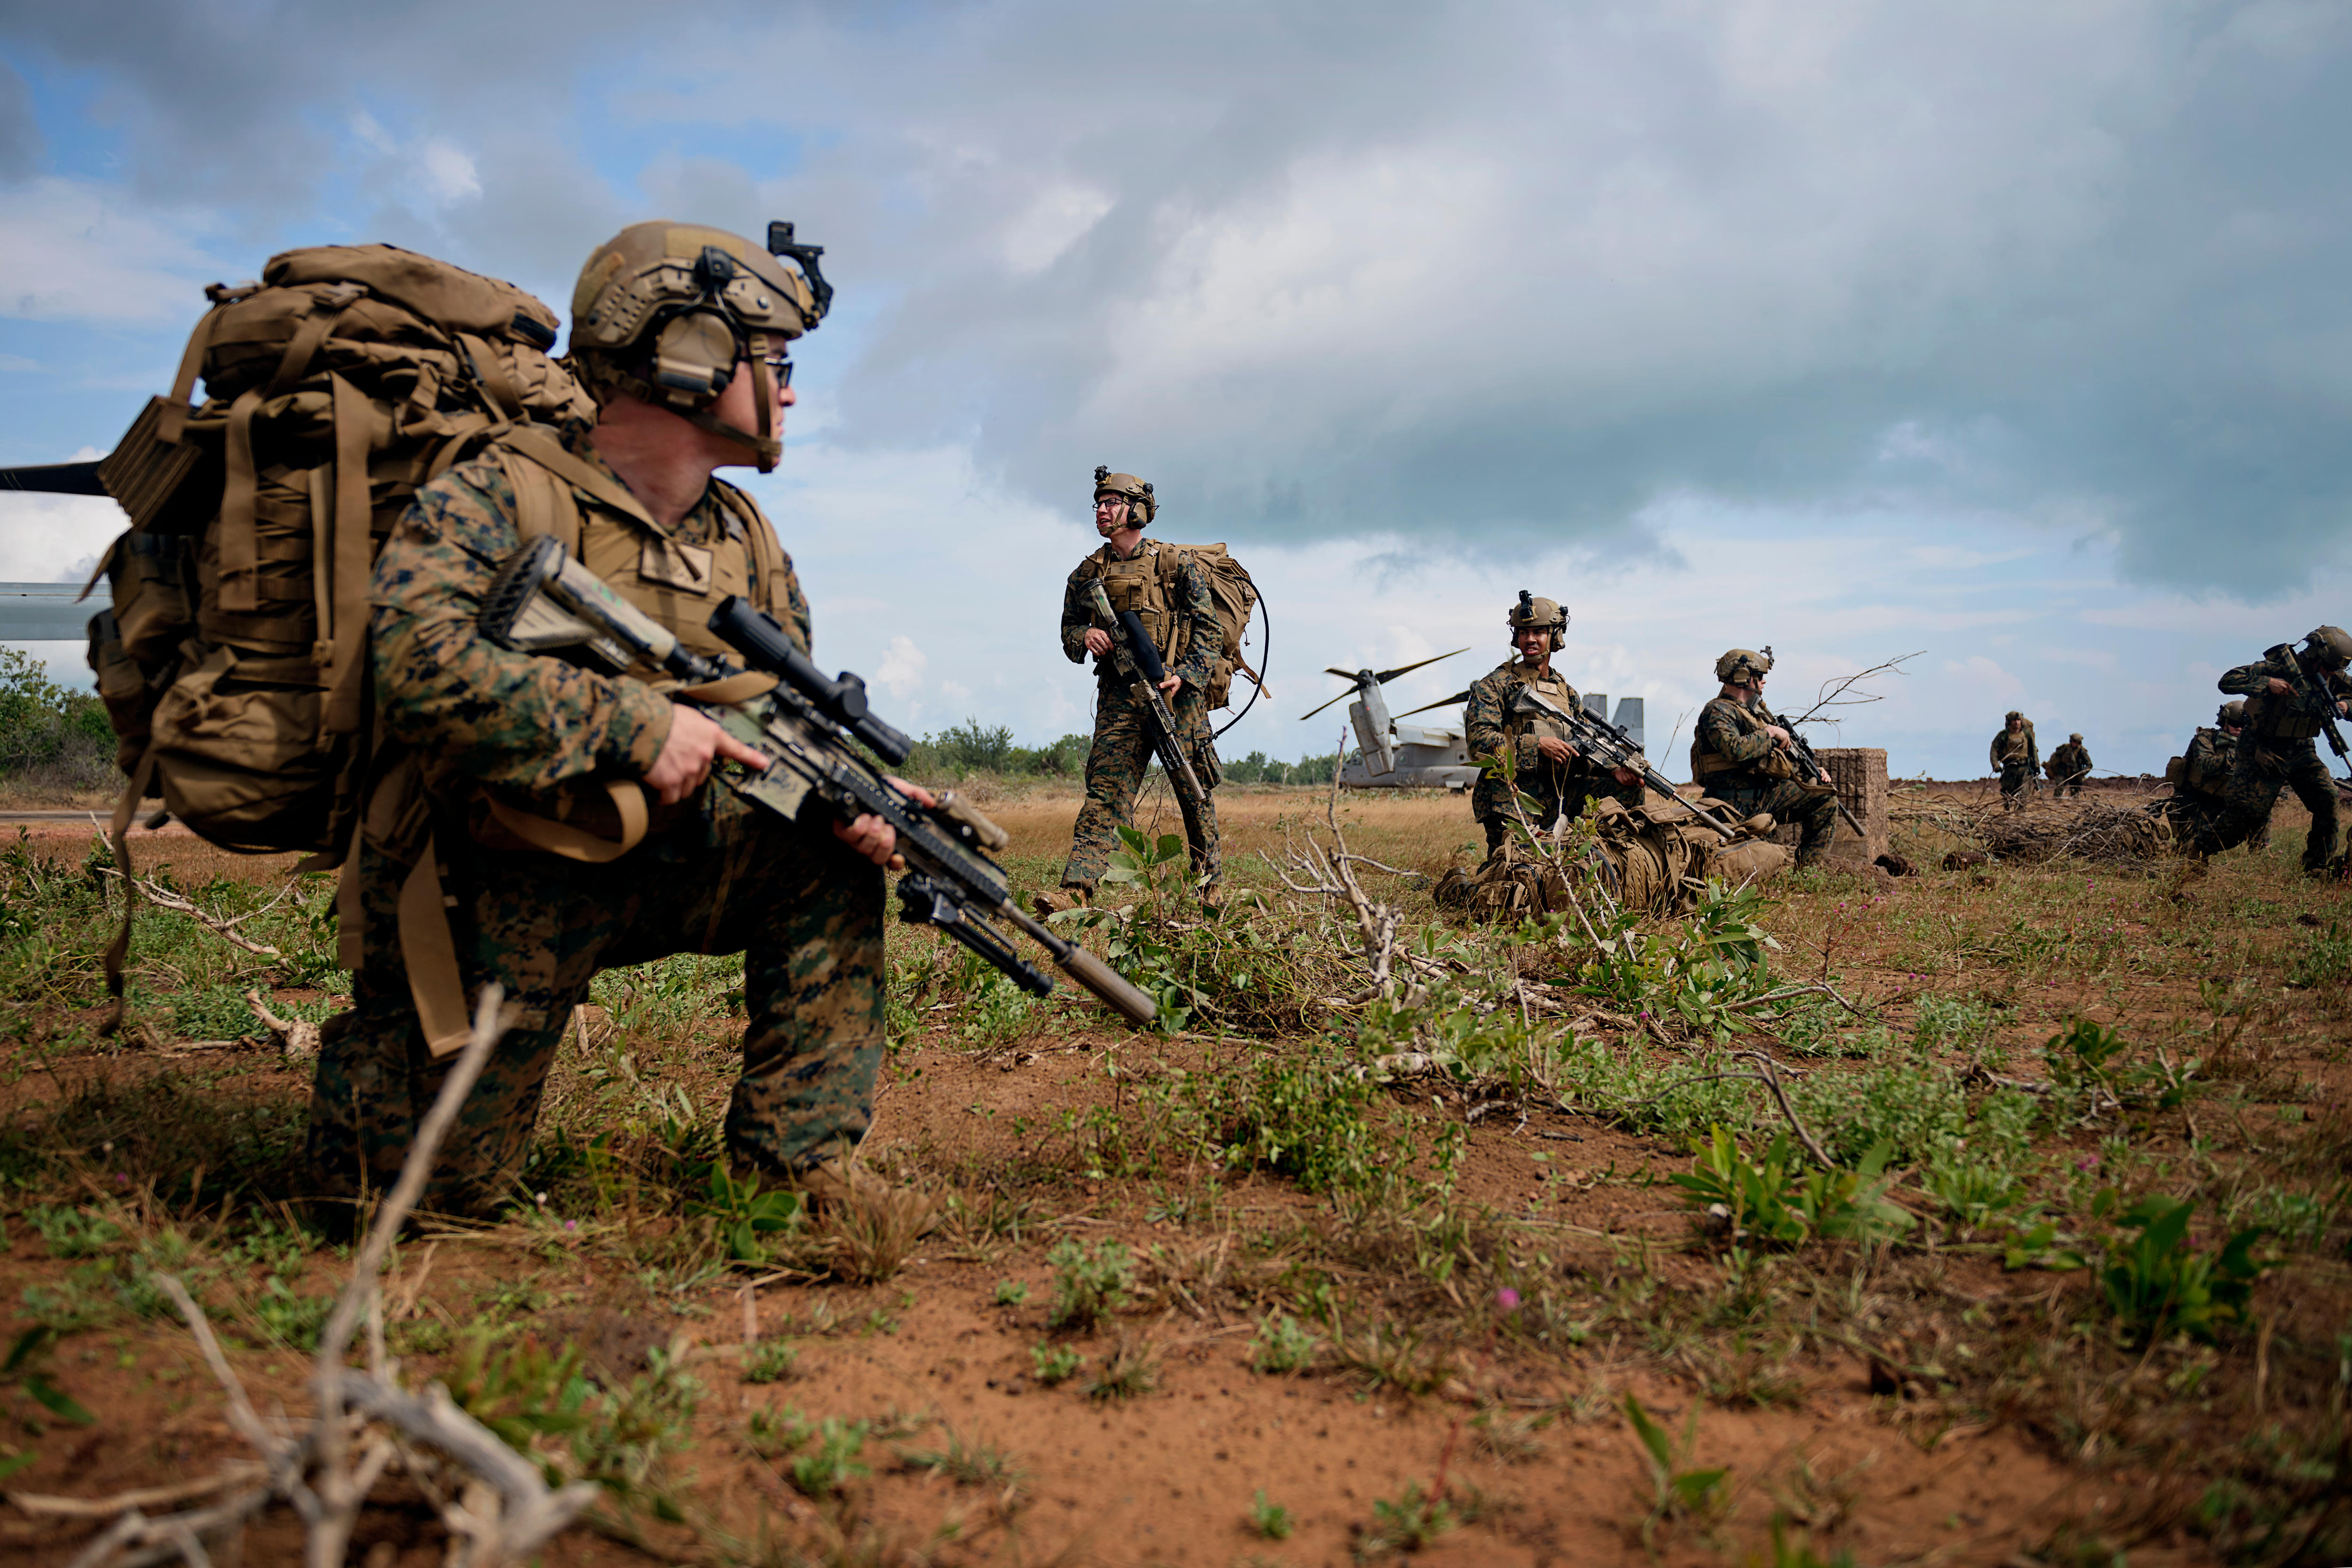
(1677, 1491)
(769, 1361)
(1089, 1283)
(1271, 1521)
(2158, 1282)
(1054, 1363)
(1413, 1522)
(1282, 1345)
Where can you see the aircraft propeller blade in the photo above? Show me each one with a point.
(1385, 677)
(1461, 696)
(1342, 698)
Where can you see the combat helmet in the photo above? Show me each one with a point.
(2074, 740)
(1542, 614)
(2231, 714)
(665, 312)
(2331, 645)
(1141, 504)
(1736, 666)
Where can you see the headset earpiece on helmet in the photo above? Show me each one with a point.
(665, 311)
(1549, 615)
(1143, 506)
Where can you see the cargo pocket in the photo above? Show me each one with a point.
(238, 753)
(122, 687)
(1205, 764)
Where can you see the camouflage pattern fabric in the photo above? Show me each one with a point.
(1195, 606)
(477, 711)
(1815, 815)
(2260, 771)
(803, 910)
(2266, 717)
(2019, 750)
(718, 875)
(1122, 750)
(2206, 764)
(2069, 765)
(1116, 763)
(1736, 731)
(1491, 730)
(2015, 777)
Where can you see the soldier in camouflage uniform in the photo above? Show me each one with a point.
(1169, 594)
(2068, 766)
(2291, 695)
(2016, 756)
(1544, 765)
(2200, 800)
(1740, 754)
(508, 751)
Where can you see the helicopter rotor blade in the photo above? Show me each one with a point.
(1385, 677)
(1461, 696)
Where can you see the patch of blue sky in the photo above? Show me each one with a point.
(69, 105)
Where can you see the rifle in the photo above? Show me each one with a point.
(1609, 746)
(541, 600)
(1802, 749)
(1138, 662)
(2321, 706)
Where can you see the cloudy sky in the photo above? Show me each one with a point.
(2014, 335)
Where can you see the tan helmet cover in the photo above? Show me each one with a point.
(2232, 714)
(2331, 644)
(1547, 614)
(2012, 713)
(2074, 740)
(1737, 664)
(1141, 504)
(665, 312)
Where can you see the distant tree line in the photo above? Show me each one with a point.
(971, 747)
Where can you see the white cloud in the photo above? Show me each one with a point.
(901, 674)
(449, 175)
(72, 250)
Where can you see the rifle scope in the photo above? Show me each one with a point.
(755, 634)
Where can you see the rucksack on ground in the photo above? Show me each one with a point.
(233, 659)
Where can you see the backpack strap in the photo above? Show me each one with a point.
(342, 650)
(541, 447)
(760, 534)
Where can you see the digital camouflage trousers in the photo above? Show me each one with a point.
(1116, 763)
(1815, 815)
(2015, 777)
(2261, 769)
(805, 912)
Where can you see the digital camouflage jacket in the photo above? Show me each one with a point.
(1491, 730)
(2205, 770)
(1194, 608)
(475, 711)
(2069, 761)
(1732, 733)
(2281, 719)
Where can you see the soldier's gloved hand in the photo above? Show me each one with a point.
(1780, 736)
(2280, 688)
(694, 740)
(1554, 748)
(1626, 776)
(1097, 642)
(877, 839)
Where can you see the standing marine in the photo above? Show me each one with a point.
(2200, 795)
(1168, 592)
(1543, 764)
(2016, 756)
(1744, 755)
(2068, 766)
(567, 821)
(2292, 695)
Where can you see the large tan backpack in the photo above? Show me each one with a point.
(233, 659)
(1235, 593)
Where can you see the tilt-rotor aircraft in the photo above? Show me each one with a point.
(1393, 755)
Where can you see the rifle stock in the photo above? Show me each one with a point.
(542, 602)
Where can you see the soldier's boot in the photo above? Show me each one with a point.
(842, 1186)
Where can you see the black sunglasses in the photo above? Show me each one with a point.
(781, 366)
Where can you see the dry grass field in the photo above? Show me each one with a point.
(1517, 1259)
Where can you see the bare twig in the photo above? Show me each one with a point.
(229, 1474)
(1840, 691)
(295, 1038)
(163, 898)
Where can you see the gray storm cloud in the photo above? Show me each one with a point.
(1506, 274)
